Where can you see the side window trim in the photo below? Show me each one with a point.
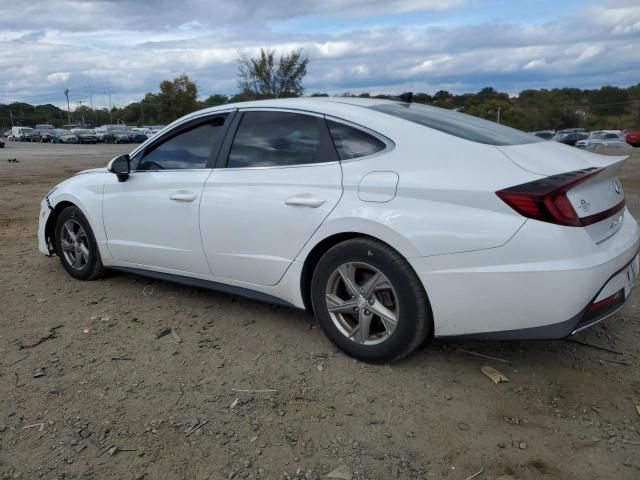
(326, 142)
(225, 149)
(183, 127)
(389, 144)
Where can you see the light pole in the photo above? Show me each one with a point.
(66, 94)
(82, 114)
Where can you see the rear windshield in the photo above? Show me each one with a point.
(458, 124)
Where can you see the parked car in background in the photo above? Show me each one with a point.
(596, 135)
(144, 130)
(603, 139)
(120, 136)
(46, 132)
(33, 136)
(544, 134)
(106, 136)
(1, 142)
(633, 137)
(85, 135)
(24, 134)
(569, 137)
(63, 136)
(138, 137)
(609, 140)
(392, 222)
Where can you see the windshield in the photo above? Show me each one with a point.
(458, 124)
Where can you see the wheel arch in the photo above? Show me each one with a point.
(321, 247)
(49, 229)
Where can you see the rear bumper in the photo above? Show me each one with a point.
(541, 284)
(621, 284)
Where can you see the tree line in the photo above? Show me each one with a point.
(265, 76)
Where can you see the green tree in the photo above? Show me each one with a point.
(609, 100)
(215, 100)
(177, 98)
(263, 77)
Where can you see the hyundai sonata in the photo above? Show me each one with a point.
(391, 221)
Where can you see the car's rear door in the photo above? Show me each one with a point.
(152, 219)
(279, 178)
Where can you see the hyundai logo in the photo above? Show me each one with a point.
(617, 186)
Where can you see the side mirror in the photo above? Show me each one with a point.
(121, 166)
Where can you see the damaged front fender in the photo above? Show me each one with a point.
(44, 243)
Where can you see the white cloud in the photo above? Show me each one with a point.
(58, 77)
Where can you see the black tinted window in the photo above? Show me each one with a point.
(276, 138)
(353, 143)
(457, 124)
(188, 149)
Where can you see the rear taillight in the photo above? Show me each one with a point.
(546, 199)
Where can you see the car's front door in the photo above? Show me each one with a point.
(151, 219)
(280, 180)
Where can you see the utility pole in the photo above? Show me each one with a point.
(141, 113)
(66, 94)
(499, 111)
(110, 112)
(11, 115)
(95, 113)
(82, 114)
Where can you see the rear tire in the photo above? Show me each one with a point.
(76, 245)
(364, 283)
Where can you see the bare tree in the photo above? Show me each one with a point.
(261, 77)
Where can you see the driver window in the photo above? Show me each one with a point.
(188, 149)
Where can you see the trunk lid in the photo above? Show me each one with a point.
(601, 198)
(598, 201)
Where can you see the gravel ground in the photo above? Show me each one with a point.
(104, 397)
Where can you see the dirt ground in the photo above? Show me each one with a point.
(104, 398)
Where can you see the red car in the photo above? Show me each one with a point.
(633, 137)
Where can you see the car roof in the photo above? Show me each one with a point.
(347, 108)
(319, 104)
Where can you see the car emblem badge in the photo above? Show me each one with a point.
(617, 186)
(584, 205)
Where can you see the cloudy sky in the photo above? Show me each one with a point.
(126, 47)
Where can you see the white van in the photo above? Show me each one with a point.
(21, 133)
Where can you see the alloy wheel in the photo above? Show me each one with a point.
(75, 244)
(362, 303)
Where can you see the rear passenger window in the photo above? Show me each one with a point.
(267, 139)
(353, 143)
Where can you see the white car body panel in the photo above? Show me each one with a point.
(153, 219)
(532, 286)
(429, 195)
(255, 221)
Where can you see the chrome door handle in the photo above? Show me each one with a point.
(183, 196)
(304, 201)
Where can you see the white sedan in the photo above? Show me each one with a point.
(392, 222)
(604, 139)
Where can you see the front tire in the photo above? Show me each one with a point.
(76, 245)
(369, 301)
